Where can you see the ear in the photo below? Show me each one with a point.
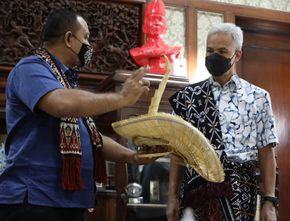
(67, 38)
(238, 55)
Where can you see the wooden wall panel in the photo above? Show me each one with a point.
(266, 63)
(114, 25)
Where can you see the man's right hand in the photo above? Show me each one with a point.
(135, 86)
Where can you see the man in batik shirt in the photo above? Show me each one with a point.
(237, 118)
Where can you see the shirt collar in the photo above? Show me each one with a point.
(72, 76)
(63, 67)
(235, 81)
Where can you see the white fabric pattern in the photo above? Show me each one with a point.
(193, 103)
(246, 118)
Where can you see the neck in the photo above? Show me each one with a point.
(153, 38)
(58, 51)
(226, 77)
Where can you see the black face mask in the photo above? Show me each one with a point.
(217, 64)
(85, 54)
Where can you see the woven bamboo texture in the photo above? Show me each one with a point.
(182, 138)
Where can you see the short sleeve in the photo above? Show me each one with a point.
(31, 81)
(266, 126)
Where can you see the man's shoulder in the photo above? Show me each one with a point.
(252, 87)
(30, 60)
(187, 91)
(200, 83)
(196, 86)
(29, 66)
(29, 63)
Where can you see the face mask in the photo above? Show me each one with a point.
(85, 54)
(217, 64)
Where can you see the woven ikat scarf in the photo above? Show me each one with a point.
(70, 143)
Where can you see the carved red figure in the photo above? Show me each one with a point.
(152, 52)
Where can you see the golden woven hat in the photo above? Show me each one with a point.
(182, 138)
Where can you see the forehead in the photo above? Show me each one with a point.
(220, 40)
(156, 17)
(82, 26)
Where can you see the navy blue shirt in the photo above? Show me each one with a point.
(33, 169)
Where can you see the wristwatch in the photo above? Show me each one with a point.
(271, 199)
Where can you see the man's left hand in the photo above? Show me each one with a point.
(268, 212)
(138, 159)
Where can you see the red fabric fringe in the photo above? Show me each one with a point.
(100, 174)
(71, 173)
(211, 211)
(206, 199)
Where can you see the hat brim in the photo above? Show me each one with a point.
(184, 139)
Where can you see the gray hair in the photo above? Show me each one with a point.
(229, 28)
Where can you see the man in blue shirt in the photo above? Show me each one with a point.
(54, 151)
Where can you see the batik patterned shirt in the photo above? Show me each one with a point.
(246, 118)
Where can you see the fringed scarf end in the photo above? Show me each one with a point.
(100, 168)
(206, 198)
(71, 173)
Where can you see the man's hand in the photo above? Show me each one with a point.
(114, 151)
(136, 159)
(268, 212)
(135, 86)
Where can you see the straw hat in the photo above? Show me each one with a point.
(182, 138)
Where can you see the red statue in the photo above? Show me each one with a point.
(153, 51)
